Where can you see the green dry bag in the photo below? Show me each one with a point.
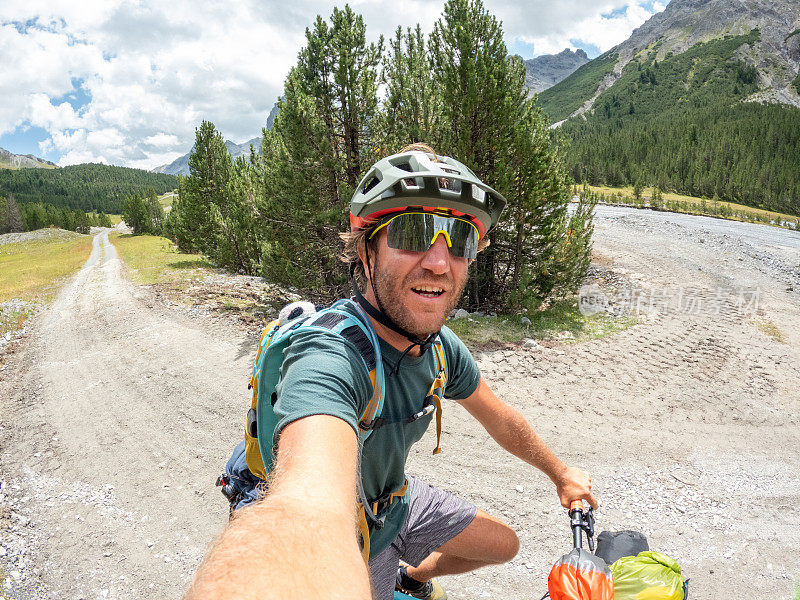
(649, 575)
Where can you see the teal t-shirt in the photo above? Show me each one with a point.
(323, 373)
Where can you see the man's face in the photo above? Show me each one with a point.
(417, 290)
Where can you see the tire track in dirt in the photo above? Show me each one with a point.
(688, 422)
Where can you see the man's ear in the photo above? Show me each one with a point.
(362, 255)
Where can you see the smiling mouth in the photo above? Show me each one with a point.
(428, 291)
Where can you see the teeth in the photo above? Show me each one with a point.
(433, 290)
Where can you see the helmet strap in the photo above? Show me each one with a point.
(379, 314)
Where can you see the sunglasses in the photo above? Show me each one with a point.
(417, 231)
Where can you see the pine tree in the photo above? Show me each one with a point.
(67, 219)
(14, 221)
(239, 242)
(206, 185)
(490, 124)
(3, 217)
(82, 222)
(483, 98)
(412, 109)
(136, 215)
(103, 220)
(34, 216)
(155, 213)
(313, 157)
(549, 250)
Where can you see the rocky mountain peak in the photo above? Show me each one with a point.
(9, 160)
(547, 70)
(684, 23)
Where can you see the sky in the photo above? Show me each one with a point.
(126, 82)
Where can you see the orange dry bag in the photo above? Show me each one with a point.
(580, 575)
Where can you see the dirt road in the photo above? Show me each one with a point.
(118, 414)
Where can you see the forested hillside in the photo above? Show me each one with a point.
(682, 123)
(564, 98)
(88, 187)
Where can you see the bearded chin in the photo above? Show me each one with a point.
(386, 291)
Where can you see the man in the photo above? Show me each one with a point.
(417, 220)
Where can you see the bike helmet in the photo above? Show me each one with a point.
(423, 180)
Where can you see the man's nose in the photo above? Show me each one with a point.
(437, 257)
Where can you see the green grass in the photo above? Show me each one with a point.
(693, 204)
(7, 165)
(115, 219)
(769, 328)
(166, 200)
(152, 259)
(796, 83)
(560, 321)
(32, 270)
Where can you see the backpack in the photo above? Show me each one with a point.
(246, 475)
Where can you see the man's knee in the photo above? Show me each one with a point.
(509, 546)
(486, 539)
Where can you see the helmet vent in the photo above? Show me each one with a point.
(413, 183)
(370, 184)
(404, 166)
(448, 184)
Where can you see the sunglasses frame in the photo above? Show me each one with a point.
(436, 233)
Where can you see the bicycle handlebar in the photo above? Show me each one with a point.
(581, 521)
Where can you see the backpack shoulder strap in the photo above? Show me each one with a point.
(440, 383)
(358, 331)
(275, 338)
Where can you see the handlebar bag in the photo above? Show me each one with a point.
(613, 545)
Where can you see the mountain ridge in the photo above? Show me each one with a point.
(701, 99)
(685, 23)
(9, 160)
(547, 70)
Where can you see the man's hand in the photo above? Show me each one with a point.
(574, 484)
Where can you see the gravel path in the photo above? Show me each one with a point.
(118, 413)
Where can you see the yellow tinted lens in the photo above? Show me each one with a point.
(416, 232)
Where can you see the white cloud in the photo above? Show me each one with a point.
(153, 69)
(161, 140)
(603, 25)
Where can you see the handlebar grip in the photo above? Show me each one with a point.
(576, 504)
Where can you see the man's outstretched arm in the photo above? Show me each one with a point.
(510, 429)
(300, 541)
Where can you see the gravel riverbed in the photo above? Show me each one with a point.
(119, 410)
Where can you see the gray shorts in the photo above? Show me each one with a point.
(434, 517)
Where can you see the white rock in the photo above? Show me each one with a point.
(520, 489)
(461, 314)
(530, 343)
